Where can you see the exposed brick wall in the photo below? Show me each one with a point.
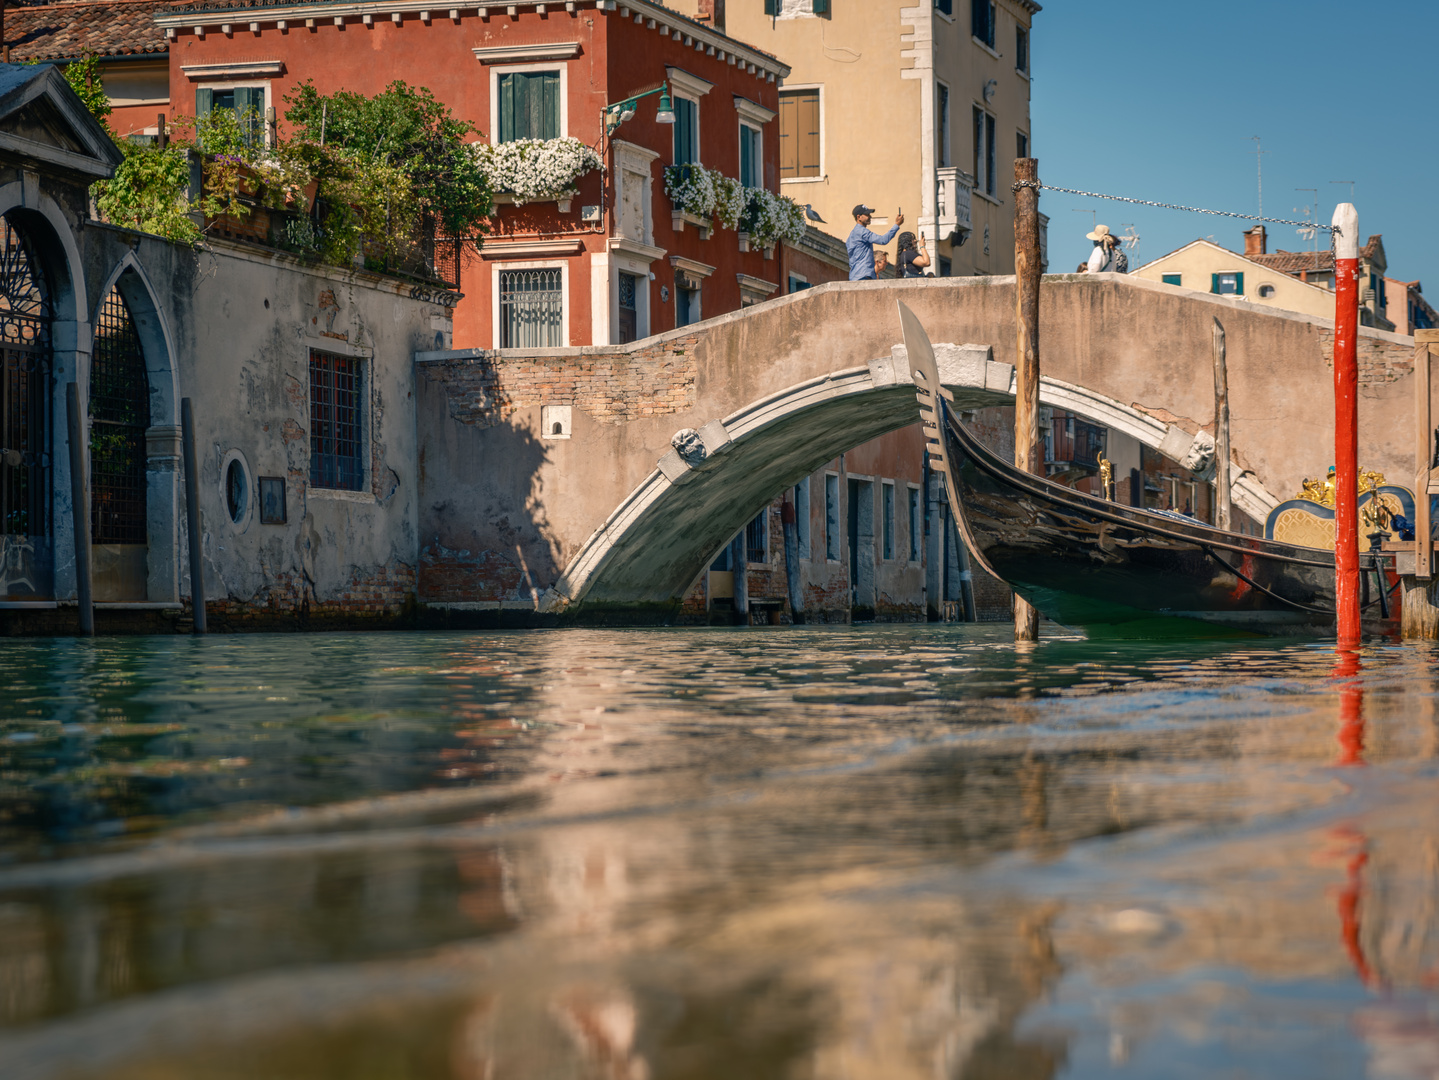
(613, 387)
(1380, 361)
(450, 575)
(373, 594)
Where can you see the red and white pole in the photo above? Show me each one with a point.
(1346, 422)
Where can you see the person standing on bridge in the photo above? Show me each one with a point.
(861, 242)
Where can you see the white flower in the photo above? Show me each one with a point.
(531, 169)
(708, 193)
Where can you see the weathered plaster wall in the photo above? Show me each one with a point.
(506, 495)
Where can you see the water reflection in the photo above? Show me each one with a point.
(901, 853)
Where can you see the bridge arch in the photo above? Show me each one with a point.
(658, 540)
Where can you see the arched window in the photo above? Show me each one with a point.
(119, 415)
(26, 561)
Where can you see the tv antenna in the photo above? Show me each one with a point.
(1259, 153)
(1351, 187)
(1310, 231)
(1130, 239)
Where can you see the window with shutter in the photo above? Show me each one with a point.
(820, 7)
(750, 163)
(1239, 284)
(798, 134)
(687, 131)
(771, 7)
(1021, 49)
(1171, 279)
(981, 20)
(945, 7)
(529, 105)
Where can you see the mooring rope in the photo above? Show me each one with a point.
(1331, 229)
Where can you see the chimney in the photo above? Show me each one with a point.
(712, 12)
(1254, 241)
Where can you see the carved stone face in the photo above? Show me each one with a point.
(689, 445)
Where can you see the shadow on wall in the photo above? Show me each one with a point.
(482, 519)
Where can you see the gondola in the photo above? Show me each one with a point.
(1086, 561)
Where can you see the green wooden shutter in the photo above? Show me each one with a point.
(204, 102)
(1214, 283)
(771, 7)
(821, 7)
(684, 131)
(1171, 279)
(550, 125)
(249, 107)
(507, 109)
(1239, 284)
(746, 157)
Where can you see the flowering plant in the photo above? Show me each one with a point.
(531, 169)
(768, 217)
(691, 188)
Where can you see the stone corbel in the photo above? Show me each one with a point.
(690, 449)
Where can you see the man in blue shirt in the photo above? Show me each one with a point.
(860, 244)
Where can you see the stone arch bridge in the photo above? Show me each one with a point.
(608, 477)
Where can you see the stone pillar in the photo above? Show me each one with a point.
(162, 475)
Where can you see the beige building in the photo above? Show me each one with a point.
(898, 104)
(1292, 280)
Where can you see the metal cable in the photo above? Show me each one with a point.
(1331, 229)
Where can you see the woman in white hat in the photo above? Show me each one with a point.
(1102, 257)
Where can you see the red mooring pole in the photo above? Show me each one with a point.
(1346, 422)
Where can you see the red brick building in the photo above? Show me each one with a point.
(614, 261)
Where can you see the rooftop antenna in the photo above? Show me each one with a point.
(1351, 187)
(1131, 241)
(1093, 216)
(1259, 153)
(1310, 231)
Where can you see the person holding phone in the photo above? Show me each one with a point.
(861, 243)
(913, 256)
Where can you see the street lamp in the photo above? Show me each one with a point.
(620, 111)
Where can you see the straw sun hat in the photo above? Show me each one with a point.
(1101, 232)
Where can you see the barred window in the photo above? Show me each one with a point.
(531, 308)
(336, 448)
(119, 415)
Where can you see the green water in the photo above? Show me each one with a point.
(786, 852)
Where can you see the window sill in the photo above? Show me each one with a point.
(1022, 74)
(988, 198)
(949, 18)
(804, 179)
(986, 47)
(342, 495)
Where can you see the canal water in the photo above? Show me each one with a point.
(642, 854)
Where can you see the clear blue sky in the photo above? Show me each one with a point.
(1158, 100)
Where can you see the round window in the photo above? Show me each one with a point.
(237, 491)
(1266, 290)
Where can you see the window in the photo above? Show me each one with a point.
(946, 267)
(798, 134)
(1227, 284)
(336, 450)
(1021, 144)
(751, 160)
(687, 131)
(246, 102)
(1172, 279)
(831, 517)
(1021, 49)
(529, 105)
(941, 126)
(944, 7)
(916, 524)
(687, 305)
(984, 179)
(981, 18)
(1266, 291)
(629, 316)
(531, 308)
(756, 538)
(796, 283)
(887, 487)
(801, 516)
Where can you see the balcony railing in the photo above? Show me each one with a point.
(955, 186)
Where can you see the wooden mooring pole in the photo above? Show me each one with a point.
(192, 516)
(1419, 605)
(1223, 509)
(80, 507)
(1346, 423)
(1028, 455)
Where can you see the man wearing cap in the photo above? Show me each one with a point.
(1102, 257)
(860, 244)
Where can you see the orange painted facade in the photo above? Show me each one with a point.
(616, 52)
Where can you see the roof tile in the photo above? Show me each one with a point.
(68, 30)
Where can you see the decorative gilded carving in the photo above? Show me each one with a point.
(1322, 491)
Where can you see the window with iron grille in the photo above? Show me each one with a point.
(532, 307)
(756, 538)
(336, 446)
(24, 410)
(119, 415)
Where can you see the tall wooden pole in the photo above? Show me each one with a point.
(1346, 423)
(80, 507)
(192, 516)
(1223, 511)
(1424, 342)
(1028, 456)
